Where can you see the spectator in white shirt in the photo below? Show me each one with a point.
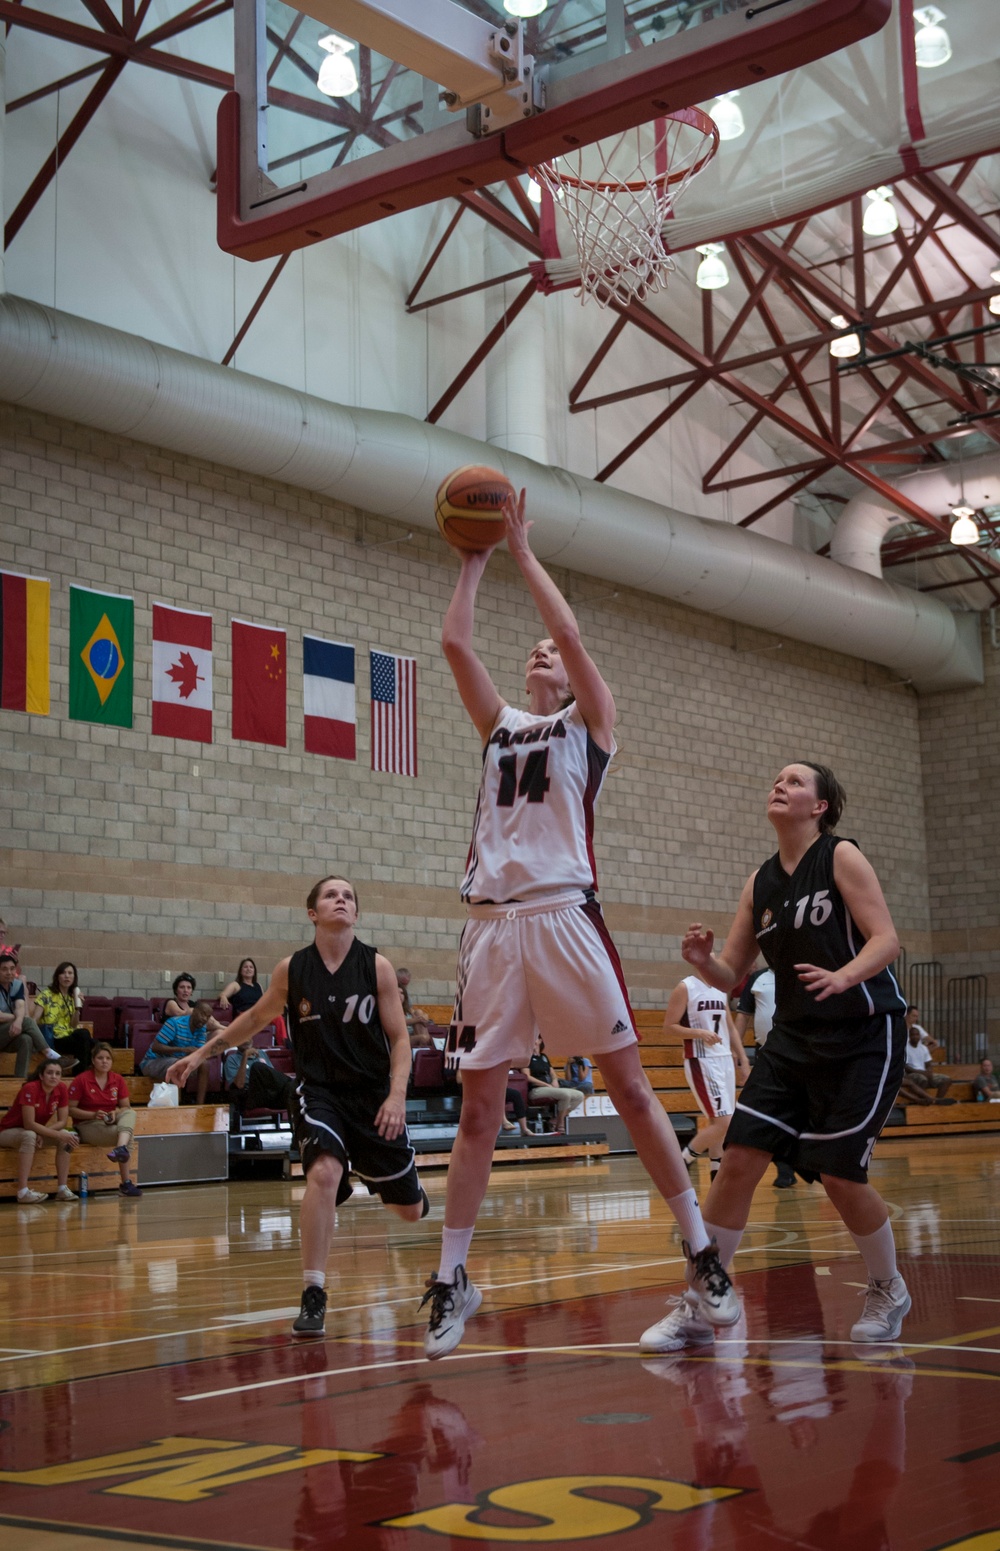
(913, 1022)
(920, 1085)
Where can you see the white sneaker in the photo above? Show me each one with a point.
(452, 1303)
(708, 1281)
(682, 1326)
(886, 1306)
(688, 1156)
(65, 1194)
(30, 1197)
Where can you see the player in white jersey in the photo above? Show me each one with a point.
(698, 1015)
(536, 956)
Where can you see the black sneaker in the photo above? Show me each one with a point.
(312, 1315)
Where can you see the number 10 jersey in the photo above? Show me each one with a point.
(534, 825)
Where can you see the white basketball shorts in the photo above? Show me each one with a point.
(713, 1084)
(548, 966)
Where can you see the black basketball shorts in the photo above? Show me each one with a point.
(343, 1124)
(822, 1112)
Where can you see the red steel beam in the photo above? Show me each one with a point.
(265, 292)
(650, 324)
(438, 250)
(64, 145)
(121, 47)
(468, 290)
(783, 495)
(479, 355)
(616, 328)
(935, 186)
(648, 431)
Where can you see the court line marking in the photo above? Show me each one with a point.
(607, 1348)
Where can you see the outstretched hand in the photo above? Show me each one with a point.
(516, 525)
(697, 945)
(181, 1070)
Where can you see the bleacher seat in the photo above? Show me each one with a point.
(428, 1071)
(129, 1010)
(99, 1012)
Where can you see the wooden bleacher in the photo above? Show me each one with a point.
(103, 1175)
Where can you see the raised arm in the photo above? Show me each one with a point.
(724, 970)
(480, 696)
(249, 1023)
(855, 877)
(594, 698)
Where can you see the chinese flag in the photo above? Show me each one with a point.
(260, 659)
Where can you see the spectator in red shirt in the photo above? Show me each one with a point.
(99, 1105)
(40, 1115)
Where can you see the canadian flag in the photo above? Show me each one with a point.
(182, 674)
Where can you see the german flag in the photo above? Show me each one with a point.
(24, 643)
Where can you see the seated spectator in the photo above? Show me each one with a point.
(13, 948)
(243, 992)
(986, 1085)
(18, 1032)
(257, 1085)
(237, 1062)
(919, 1085)
(417, 1021)
(180, 1003)
(541, 1087)
(99, 1107)
(178, 1036)
(913, 1022)
(57, 1010)
(39, 1116)
(576, 1074)
(515, 1098)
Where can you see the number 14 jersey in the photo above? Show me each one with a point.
(533, 831)
(803, 919)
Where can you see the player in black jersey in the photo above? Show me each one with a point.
(822, 1087)
(352, 1065)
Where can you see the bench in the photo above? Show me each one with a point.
(102, 1175)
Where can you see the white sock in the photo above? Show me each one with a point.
(728, 1241)
(314, 1278)
(454, 1251)
(878, 1251)
(688, 1214)
(714, 1164)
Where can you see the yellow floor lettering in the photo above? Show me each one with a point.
(197, 1479)
(161, 1449)
(564, 1506)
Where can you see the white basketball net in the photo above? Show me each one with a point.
(618, 193)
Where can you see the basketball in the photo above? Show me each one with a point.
(469, 507)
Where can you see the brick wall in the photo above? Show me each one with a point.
(138, 857)
(960, 756)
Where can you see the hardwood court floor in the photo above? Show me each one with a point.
(152, 1394)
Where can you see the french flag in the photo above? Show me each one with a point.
(328, 698)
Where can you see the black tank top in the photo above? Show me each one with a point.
(337, 1034)
(803, 919)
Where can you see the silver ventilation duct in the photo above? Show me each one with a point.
(391, 465)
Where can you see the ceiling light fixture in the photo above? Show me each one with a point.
(727, 116)
(994, 305)
(932, 42)
(712, 273)
(880, 217)
(337, 75)
(534, 191)
(845, 345)
(524, 8)
(963, 529)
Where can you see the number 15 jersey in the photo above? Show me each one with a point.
(803, 918)
(534, 825)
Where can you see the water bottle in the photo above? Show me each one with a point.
(84, 1191)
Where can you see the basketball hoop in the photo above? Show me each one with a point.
(616, 195)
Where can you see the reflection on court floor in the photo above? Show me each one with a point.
(155, 1397)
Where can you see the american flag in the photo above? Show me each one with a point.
(394, 713)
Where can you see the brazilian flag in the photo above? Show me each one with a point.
(101, 652)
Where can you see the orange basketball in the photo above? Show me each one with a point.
(469, 506)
